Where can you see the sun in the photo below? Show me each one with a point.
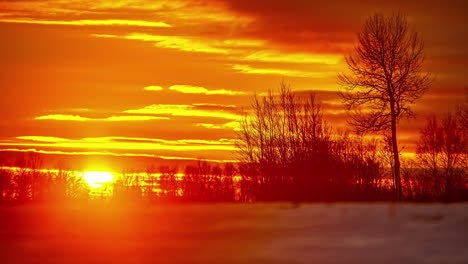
(97, 179)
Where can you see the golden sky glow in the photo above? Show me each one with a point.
(169, 79)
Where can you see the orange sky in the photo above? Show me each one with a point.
(167, 79)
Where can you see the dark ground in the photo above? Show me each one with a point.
(235, 233)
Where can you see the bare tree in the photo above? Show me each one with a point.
(385, 78)
(462, 114)
(429, 150)
(442, 149)
(452, 157)
(288, 151)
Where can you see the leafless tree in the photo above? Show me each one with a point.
(453, 153)
(462, 114)
(442, 149)
(385, 78)
(287, 151)
(429, 150)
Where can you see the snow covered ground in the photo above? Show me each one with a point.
(236, 233)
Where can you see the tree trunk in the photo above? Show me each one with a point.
(396, 159)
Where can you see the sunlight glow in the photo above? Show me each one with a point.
(97, 179)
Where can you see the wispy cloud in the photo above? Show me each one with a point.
(153, 88)
(44, 139)
(182, 110)
(181, 10)
(133, 118)
(193, 44)
(240, 51)
(172, 42)
(123, 143)
(272, 71)
(190, 89)
(107, 153)
(110, 118)
(254, 50)
(234, 125)
(87, 22)
(202, 90)
(276, 56)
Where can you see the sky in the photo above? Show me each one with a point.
(167, 81)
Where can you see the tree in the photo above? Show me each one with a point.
(453, 152)
(441, 148)
(429, 150)
(277, 143)
(287, 151)
(385, 78)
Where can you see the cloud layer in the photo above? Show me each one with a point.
(81, 72)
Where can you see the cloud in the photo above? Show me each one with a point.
(202, 90)
(133, 118)
(105, 153)
(188, 158)
(190, 89)
(181, 10)
(44, 139)
(236, 49)
(272, 71)
(86, 22)
(234, 125)
(123, 143)
(276, 56)
(233, 47)
(182, 110)
(172, 42)
(153, 88)
(110, 118)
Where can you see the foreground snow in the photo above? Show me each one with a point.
(236, 233)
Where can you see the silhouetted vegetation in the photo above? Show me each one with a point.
(386, 77)
(288, 151)
(442, 152)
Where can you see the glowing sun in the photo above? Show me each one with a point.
(97, 179)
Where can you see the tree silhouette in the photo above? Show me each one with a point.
(385, 78)
(429, 150)
(288, 151)
(442, 150)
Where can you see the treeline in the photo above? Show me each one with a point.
(28, 182)
(199, 182)
(287, 151)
